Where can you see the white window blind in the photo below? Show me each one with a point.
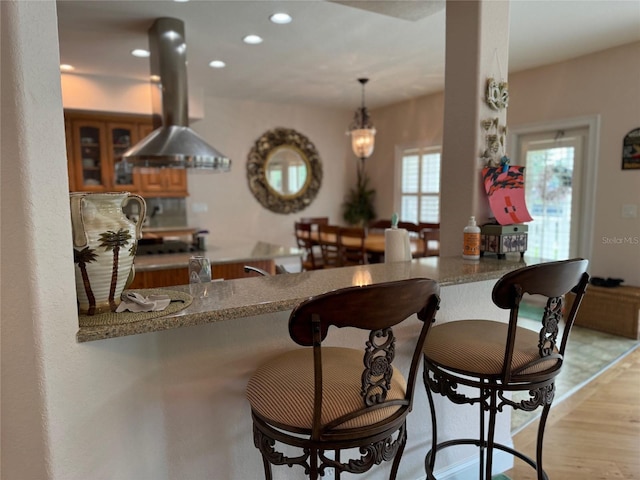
(420, 185)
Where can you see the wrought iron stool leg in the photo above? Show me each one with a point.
(481, 441)
(541, 426)
(313, 464)
(396, 460)
(267, 468)
(430, 459)
(491, 433)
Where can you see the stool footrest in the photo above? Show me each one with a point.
(477, 443)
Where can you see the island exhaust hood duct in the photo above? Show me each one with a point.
(172, 143)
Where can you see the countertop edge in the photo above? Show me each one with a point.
(236, 299)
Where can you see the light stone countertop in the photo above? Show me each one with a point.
(217, 254)
(248, 297)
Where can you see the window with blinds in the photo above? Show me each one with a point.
(420, 185)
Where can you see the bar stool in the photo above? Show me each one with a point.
(320, 399)
(498, 357)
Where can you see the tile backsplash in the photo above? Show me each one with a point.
(161, 212)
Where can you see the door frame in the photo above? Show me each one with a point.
(587, 196)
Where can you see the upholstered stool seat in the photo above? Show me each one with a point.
(482, 361)
(482, 342)
(282, 390)
(309, 405)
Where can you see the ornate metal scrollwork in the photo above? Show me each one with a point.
(550, 322)
(447, 388)
(265, 444)
(378, 358)
(374, 454)
(537, 397)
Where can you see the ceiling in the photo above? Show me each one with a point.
(317, 58)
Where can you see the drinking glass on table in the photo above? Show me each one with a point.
(199, 269)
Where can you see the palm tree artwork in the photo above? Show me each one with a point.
(112, 241)
(82, 258)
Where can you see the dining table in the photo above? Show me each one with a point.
(374, 243)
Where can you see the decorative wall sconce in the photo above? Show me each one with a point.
(497, 95)
(495, 136)
(362, 130)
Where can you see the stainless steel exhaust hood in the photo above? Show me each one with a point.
(172, 143)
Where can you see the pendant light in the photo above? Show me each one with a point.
(361, 130)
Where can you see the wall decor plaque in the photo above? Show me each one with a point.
(631, 150)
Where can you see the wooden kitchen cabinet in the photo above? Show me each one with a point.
(166, 182)
(95, 144)
(70, 165)
(168, 277)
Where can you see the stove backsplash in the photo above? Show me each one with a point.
(161, 212)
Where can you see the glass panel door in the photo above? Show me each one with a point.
(553, 163)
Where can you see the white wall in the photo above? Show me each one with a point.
(38, 305)
(233, 126)
(117, 95)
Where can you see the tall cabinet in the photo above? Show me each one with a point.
(95, 144)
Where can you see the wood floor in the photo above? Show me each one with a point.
(595, 433)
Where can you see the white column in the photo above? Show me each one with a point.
(477, 47)
(37, 289)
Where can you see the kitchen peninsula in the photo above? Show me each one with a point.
(235, 299)
(190, 382)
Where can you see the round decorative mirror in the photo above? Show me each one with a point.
(284, 170)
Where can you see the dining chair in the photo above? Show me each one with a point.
(329, 240)
(315, 222)
(352, 246)
(312, 259)
(430, 237)
(495, 358)
(414, 235)
(310, 406)
(378, 226)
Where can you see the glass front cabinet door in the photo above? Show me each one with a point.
(91, 166)
(121, 137)
(95, 145)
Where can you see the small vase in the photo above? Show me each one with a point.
(104, 246)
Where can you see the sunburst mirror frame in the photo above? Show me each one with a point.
(264, 147)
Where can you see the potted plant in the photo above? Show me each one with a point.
(358, 207)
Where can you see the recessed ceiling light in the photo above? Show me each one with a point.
(281, 18)
(140, 53)
(217, 64)
(155, 78)
(252, 39)
(67, 68)
(181, 1)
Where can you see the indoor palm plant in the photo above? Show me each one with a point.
(358, 207)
